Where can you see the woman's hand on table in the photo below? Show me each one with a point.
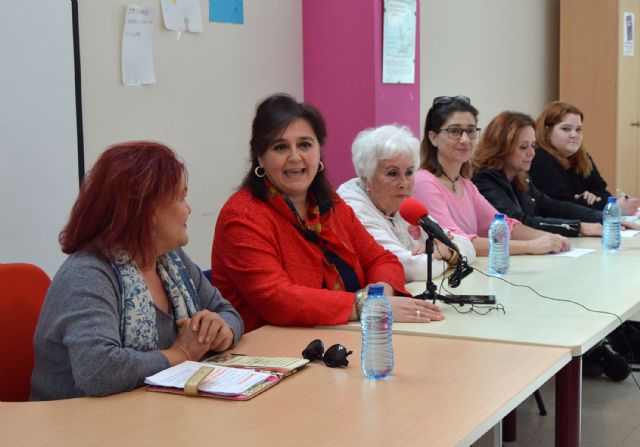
(411, 310)
(549, 243)
(629, 205)
(212, 330)
(204, 325)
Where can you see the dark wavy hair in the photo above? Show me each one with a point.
(273, 116)
(498, 141)
(118, 199)
(436, 117)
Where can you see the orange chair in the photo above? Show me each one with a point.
(22, 291)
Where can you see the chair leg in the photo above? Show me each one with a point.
(509, 423)
(540, 402)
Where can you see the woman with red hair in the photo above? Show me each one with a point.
(502, 160)
(127, 302)
(562, 168)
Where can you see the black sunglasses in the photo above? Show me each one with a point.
(450, 99)
(335, 356)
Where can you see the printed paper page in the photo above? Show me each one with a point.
(575, 252)
(288, 363)
(221, 380)
(137, 46)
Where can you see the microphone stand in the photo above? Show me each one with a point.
(430, 293)
(462, 270)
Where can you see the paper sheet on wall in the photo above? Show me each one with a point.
(399, 42)
(629, 31)
(226, 11)
(137, 46)
(182, 15)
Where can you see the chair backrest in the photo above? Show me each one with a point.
(22, 291)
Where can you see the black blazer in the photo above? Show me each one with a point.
(564, 184)
(533, 208)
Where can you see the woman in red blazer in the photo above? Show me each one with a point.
(287, 250)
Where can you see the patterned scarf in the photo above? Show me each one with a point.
(138, 315)
(317, 228)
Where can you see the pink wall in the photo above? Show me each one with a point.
(396, 103)
(343, 76)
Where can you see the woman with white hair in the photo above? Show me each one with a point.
(385, 160)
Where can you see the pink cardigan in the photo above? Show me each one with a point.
(470, 215)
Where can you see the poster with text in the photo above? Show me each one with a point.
(399, 42)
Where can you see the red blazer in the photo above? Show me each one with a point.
(272, 275)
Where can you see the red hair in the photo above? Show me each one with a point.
(552, 114)
(118, 199)
(498, 142)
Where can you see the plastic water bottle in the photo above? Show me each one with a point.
(377, 346)
(499, 246)
(611, 216)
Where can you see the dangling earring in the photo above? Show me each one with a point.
(321, 167)
(259, 171)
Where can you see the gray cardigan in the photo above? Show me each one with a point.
(78, 346)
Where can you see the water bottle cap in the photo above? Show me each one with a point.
(376, 290)
(499, 216)
(612, 200)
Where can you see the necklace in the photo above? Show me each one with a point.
(452, 180)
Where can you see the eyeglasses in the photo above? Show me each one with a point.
(450, 99)
(335, 356)
(455, 133)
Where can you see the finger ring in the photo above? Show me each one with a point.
(418, 313)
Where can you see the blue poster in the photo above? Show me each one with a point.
(226, 11)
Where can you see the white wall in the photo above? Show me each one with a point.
(503, 54)
(207, 90)
(38, 139)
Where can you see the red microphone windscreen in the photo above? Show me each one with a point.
(412, 210)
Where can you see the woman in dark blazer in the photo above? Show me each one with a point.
(502, 160)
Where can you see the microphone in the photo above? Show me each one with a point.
(414, 212)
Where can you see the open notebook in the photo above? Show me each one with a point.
(226, 376)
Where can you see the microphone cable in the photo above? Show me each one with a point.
(563, 300)
(462, 270)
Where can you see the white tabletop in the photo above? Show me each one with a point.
(602, 281)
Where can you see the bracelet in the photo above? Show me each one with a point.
(453, 260)
(361, 297)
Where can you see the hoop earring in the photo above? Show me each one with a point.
(321, 167)
(259, 171)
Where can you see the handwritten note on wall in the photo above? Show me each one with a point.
(137, 46)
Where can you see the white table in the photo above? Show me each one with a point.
(599, 280)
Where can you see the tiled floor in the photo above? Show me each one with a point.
(610, 415)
